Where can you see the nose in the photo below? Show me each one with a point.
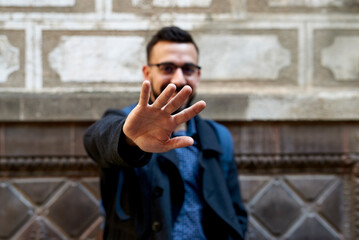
(178, 78)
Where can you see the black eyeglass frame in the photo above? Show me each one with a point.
(175, 65)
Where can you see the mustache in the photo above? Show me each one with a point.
(178, 88)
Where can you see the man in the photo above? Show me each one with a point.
(165, 172)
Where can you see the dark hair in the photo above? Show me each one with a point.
(170, 34)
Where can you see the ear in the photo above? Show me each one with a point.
(146, 72)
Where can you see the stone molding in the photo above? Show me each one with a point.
(255, 161)
(47, 163)
(244, 161)
(87, 106)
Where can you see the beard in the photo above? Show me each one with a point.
(179, 88)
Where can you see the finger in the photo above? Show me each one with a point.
(179, 142)
(163, 98)
(178, 100)
(190, 112)
(145, 93)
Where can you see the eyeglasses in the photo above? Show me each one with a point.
(169, 68)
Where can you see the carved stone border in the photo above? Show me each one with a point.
(244, 161)
(47, 165)
(249, 161)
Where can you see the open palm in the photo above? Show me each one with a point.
(149, 126)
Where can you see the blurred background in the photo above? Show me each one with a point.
(282, 75)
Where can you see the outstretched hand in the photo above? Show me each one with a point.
(150, 126)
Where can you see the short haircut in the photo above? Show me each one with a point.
(170, 34)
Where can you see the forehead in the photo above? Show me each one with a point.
(173, 52)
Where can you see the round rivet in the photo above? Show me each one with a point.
(156, 226)
(158, 192)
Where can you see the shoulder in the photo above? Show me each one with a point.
(225, 140)
(223, 134)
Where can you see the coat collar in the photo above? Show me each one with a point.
(208, 139)
(205, 136)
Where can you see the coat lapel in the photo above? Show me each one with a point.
(214, 188)
(168, 163)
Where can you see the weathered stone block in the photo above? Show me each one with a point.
(336, 58)
(13, 212)
(10, 109)
(176, 3)
(66, 6)
(155, 7)
(256, 138)
(223, 106)
(250, 185)
(86, 106)
(342, 59)
(312, 228)
(277, 209)
(79, 130)
(306, 3)
(23, 140)
(12, 58)
(306, 6)
(332, 205)
(77, 58)
(39, 229)
(351, 137)
(78, 106)
(38, 190)
(309, 187)
(74, 216)
(286, 207)
(87, 59)
(93, 185)
(310, 139)
(39, 3)
(256, 56)
(254, 234)
(242, 57)
(61, 107)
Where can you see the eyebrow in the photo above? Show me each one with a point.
(186, 63)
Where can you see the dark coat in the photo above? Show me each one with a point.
(150, 192)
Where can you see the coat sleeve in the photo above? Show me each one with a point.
(105, 143)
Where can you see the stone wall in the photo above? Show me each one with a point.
(281, 74)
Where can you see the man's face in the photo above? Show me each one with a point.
(169, 54)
